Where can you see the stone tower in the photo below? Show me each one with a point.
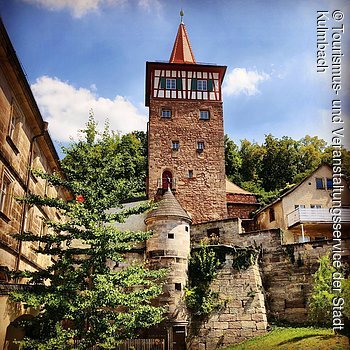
(169, 247)
(185, 131)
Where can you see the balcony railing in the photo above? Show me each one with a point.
(315, 215)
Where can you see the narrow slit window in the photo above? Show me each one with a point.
(200, 146)
(177, 286)
(175, 145)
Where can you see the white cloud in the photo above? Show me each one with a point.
(79, 8)
(66, 108)
(150, 5)
(240, 80)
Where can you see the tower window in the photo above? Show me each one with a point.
(200, 146)
(175, 145)
(202, 85)
(171, 236)
(177, 286)
(319, 183)
(166, 113)
(190, 174)
(186, 228)
(204, 115)
(170, 84)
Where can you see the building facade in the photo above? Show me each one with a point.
(186, 132)
(303, 212)
(24, 145)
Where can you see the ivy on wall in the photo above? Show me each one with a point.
(204, 264)
(243, 258)
(202, 269)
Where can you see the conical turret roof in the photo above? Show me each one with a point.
(168, 206)
(182, 51)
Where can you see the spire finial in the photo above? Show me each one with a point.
(182, 16)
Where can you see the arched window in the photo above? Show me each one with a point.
(167, 180)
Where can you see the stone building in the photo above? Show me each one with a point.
(185, 131)
(24, 144)
(186, 168)
(186, 173)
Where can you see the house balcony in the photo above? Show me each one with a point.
(315, 215)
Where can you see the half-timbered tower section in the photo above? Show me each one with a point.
(185, 131)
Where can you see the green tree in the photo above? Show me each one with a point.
(233, 161)
(251, 154)
(84, 295)
(280, 162)
(321, 299)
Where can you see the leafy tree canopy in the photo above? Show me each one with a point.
(83, 295)
(272, 167)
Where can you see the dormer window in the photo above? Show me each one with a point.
(170, 84)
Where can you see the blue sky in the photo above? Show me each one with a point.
(90, 54)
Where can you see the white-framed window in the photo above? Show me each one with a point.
(200, 146)
(13, 126)
(175, 145)
(202, 85)
(6, 193)
(170, 84)
(204, 114)
(297, 206)
(315, 206)
(166, 113)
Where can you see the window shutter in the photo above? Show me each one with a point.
(179, 84)
(194, 84)
(162, 83)
(210, 85)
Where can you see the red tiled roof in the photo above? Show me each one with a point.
(182, 51)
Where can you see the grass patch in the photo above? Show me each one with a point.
(309, 338)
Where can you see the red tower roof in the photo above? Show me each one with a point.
(182, 52)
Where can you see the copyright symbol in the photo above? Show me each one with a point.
(338, 15)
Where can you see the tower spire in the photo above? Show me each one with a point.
(182, 51)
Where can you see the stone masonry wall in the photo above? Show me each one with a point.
(287, 272)
(228, 229)
(242, 211)
(243, 313)
(203, 195)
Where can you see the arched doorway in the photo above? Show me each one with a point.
(167, 180)
(15, 333)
